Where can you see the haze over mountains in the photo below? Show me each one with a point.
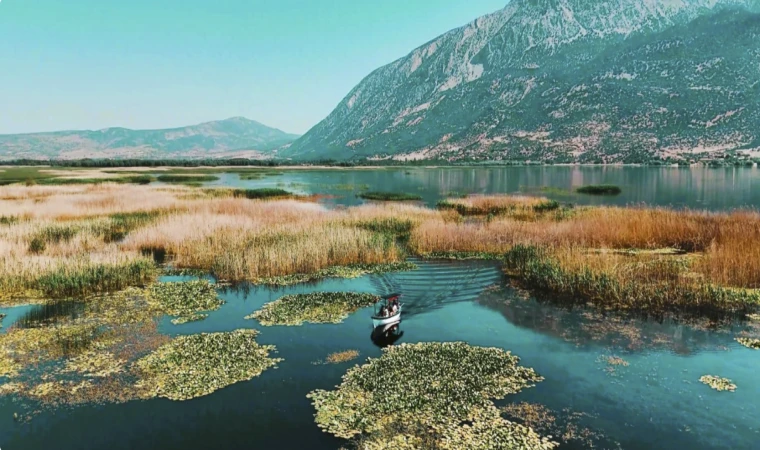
(564, 81)
(234, 137)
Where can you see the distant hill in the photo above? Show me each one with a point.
(235, 137)
(563, 81)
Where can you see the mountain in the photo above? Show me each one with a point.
(235, 137)
(562, 81)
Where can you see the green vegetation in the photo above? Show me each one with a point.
(8, 220)
(749, 343)
(185, 299)
(352, 271)
(656, 287)
(43, 176)
(52, 234)
(429, 395)
(194, 366)
(389, 196)
(599, 189)
(316, 307)
(121, 224)
(463, 256)
(76, 281)
(388, 225)
(186, 178)
(718, 383)
(262, 193)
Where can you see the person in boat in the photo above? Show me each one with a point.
(383, 311)
(394, 308)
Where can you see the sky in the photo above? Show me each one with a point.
(146, 64)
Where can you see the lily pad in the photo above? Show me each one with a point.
(197, 365)
(749, 343)
(718, 383)
(185, 299)
(429, 395)
(315, 307)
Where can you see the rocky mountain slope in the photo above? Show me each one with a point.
(564, 81)
(235, 137)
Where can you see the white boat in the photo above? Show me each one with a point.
(379, 320)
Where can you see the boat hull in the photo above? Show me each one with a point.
(381, 321)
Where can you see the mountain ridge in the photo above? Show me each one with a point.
(232, 137)
(492, 78)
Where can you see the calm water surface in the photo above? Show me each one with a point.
(656, 402)
(698, 188)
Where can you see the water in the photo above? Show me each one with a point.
(698, 188)
(655, 402)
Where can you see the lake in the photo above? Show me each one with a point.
(654, 400)
(696, 188)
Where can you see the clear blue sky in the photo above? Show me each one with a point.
(90, 64)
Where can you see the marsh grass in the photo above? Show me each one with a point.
(77, 280)
(197, 365)
(655, 285)
(8, 220)
(315, 307)
(495, 205)
(389, 196)
(599, 189)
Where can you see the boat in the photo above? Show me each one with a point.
(386, 301)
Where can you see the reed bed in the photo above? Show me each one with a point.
(72, 240)
(524, 207)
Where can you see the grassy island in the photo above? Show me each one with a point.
(389, 196)
(600, 189)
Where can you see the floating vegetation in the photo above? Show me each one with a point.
(389, 196)
(564, 424)
(616, 361)
(315, 307)
(749, 343)
(612, 364)
(352, 271)
(429, 395)
(185, 299)
(718, 383)
(339, 357)
(193, 366)
(95, 364)
(599, 189)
